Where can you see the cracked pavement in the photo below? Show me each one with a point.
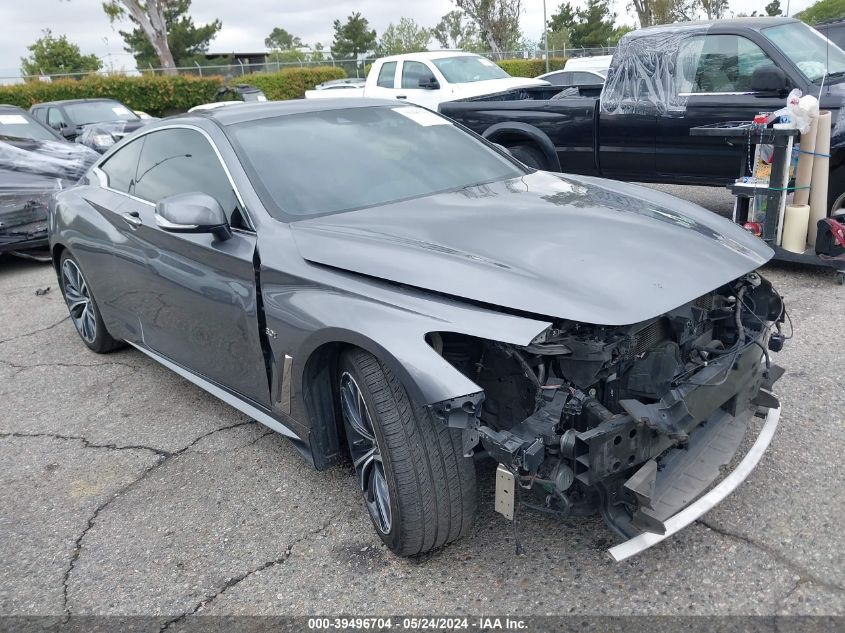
(125, 490)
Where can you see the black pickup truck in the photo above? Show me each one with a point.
(663, 81)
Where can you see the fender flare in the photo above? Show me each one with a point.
(507, 132)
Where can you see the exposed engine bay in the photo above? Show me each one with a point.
(590, 417)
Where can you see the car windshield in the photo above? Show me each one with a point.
(338, 160)
(808, 49)
(20, 125)
(98, 112)
(465, 69)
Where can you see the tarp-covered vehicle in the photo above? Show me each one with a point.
(34, 164)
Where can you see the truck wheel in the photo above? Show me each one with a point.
(529, 155)
(418, 487)
(82, 307)
(836, 190)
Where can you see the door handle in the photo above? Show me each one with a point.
(401, 96)
(133, 219)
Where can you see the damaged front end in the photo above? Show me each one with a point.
(634, 422)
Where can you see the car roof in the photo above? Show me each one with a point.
(427, 55)
(67, 101)
(253, 111)
(9, 106)
(755, 24)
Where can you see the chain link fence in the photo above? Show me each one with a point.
(353, 68)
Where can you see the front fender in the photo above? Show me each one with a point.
(388, 322)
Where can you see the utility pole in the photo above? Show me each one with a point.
(546, 35)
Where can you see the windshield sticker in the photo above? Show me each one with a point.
(12, 119)
(120, 110)
(422, 117)
(486, 61)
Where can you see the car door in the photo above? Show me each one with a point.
(106, 257)
(409, 85)
(385, 87)
(196, 300)
(714, 74)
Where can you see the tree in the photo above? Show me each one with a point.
(773, 8)
(406, 37)
(645, 12)
(498, 21)
(822, 11)
(185, 40)
(591, 26)
(55, 56)
(353, 38)
(669, 11)
(594, 27)
(717, 9)
(280, 39)
(455, 30)
(149, 16)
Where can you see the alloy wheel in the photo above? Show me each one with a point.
(366, 455)
(78, 300)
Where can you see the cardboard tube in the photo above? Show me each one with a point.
(795, 228)
(821, 166)
(804, 171)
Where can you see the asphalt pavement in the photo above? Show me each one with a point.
(125, 490)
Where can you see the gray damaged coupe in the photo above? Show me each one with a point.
(374, 281)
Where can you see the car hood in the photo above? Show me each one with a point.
(578, 248)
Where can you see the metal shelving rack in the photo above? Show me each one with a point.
(776, 189)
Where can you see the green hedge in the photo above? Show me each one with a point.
(162, 95)
(530, 67)
(291, 83)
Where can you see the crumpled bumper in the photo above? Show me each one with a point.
(702, 505)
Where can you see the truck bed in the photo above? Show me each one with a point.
(568, 123)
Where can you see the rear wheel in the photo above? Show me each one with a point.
(836, 191)
(529, 155)
(418, 487)
(83, 308)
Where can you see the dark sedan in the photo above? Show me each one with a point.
(96, 123)
(373, 281)
(34, 164)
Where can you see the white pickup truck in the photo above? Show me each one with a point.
(428, 79)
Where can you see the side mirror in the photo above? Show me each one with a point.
(769, 79)
(68, 131)
(192, 213)
(429, 83)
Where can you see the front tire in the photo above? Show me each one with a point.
(83, 308)
(418, 487)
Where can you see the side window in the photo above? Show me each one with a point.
(54, 118)
(40, 114)
(562, 78)
(386, 75)
(181, 161)
(718, 63)
(120, 168)
(586, 79)
(412, 72)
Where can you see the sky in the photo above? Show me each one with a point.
(248, 22)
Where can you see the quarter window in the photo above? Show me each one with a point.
(55, 118)
(181, 161)
(386, 74)
(121, 166)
